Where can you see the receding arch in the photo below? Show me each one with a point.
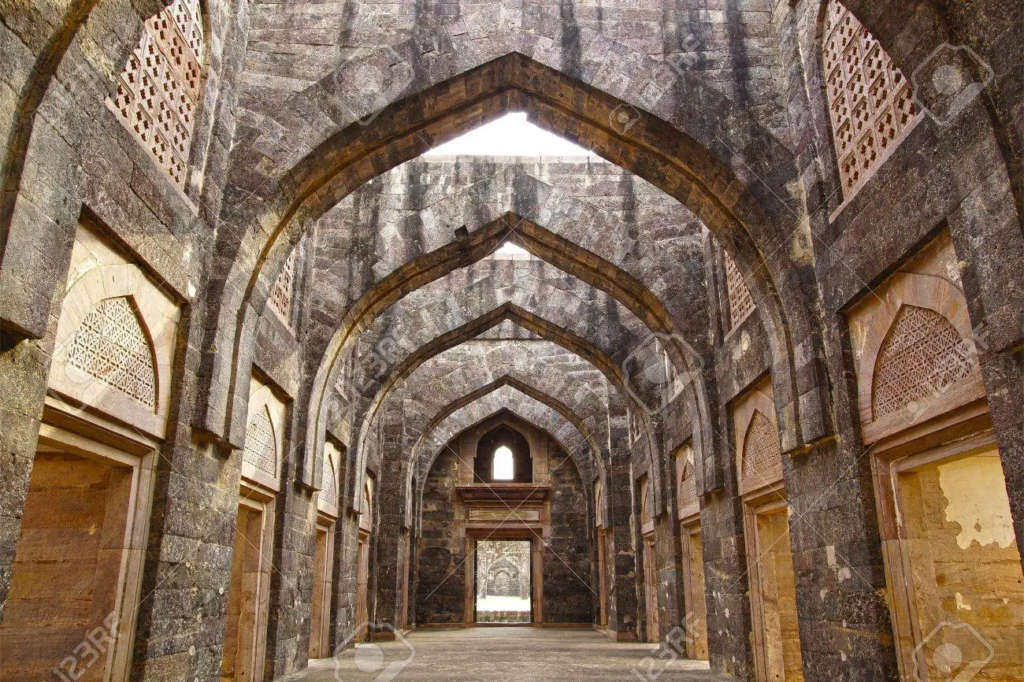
(731, 207)
(597, 452)
(581, 347)
(602, 275)
(491, 409)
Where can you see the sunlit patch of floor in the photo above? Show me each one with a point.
(500, 653)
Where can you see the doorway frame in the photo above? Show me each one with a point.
(602, 577)
(91, 438)
(768, 500)
(476, 542)
(255, 499)
(362, 601)
(652, 619)
(323, 574)
(961, 433)
(687, 530)
(536, 573)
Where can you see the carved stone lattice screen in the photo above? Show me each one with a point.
(284, 289)
(111, 346)
(870, 102)
(158, 90)
(687, 481)
(922, 355)
(260, 447)
(741, 303)
(761, 448)
(329, 483)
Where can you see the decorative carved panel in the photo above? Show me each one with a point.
(158, 90)
(923, 354)
(756, 434)
(264, 449)
(329, 483)
(686, 482)
(741, 303)
(260, 444)
(366, 509)
(115, 339)
(111, 346)
(284, 289)
(646, 504)
(870, 102)
(913, 345)
(761, 451)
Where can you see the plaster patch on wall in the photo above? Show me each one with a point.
(800, 249)
(976, 499)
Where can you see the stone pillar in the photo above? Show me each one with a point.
(23, 373)
(726, 590)
(622, 596)
(291, 581)
(840, 577)
(390, 517)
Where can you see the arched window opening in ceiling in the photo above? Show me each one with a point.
(503, 468)
(510, 135)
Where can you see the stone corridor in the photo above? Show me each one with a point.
(536, 334)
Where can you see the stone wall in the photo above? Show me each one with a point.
(568, 595)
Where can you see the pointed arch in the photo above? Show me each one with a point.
(495, 407)
(111, 346)
(922, 353)
(760, 447)
(611, 370)
(684, 157)
(260, 449)
(560, 253)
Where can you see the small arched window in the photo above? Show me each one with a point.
(158, 89)
(503, 467)
(869, 99)
(502, 454)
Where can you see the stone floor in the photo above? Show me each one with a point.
(502, 653)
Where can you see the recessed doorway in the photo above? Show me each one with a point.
(503, 582)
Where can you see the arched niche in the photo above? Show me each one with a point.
(115, 338)
(913, 345)
(758, 457)
(263, 450)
